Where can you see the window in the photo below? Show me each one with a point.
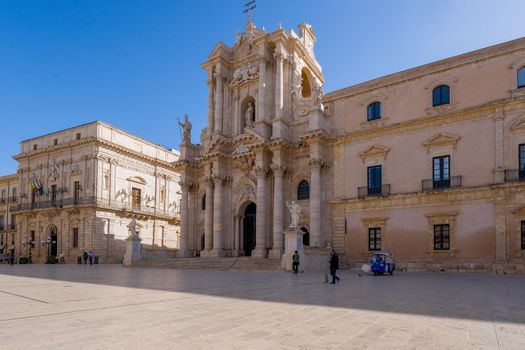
(33, 199)
(374, 238)
(13, 222)
(54, 195)
(374, 111)
(441, 237)
(14, 192)
(374, 179)
(135, 198)
(522, 161)
(75, 237)
(303, 190)
(76, 192)
(203, 203)
(306, 236)
(78, 136)
(441, 172)
(3, 196)
(1, 222)
(521, 77)
(55, 142)
(35, 147)
(306, 90)
(441, 95)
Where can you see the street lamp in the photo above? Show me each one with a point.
(29, 244)
(48, 242)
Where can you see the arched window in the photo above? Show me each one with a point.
(374, 111)
(521, 77)
(306, 90)
(303, 190)
(203, 204)
(441, 95)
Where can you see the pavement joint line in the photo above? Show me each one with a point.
(23, 296)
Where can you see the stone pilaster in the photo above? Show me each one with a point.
(500, 201)
(210, 104)
(261, 102)
(499, 172)
(279, 88)
(315, 202)
(218, 102)
(260, 225)
(208, 215)
(278, 207)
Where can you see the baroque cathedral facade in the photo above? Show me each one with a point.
(426, 163)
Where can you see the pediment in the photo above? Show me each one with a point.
(220, 50)
(441, 139)
(518, 124)
(374, 152)
(137, 179)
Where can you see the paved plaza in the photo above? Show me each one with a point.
(111, 307)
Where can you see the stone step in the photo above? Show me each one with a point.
(224, 264)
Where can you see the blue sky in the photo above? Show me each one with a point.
(136, 63)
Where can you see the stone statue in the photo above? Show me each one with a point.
(295, 211)
(186, 130)
(133, 227)
(249, 115)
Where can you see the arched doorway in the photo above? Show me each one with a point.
(53, 234)
(306, 236)
(248, 229)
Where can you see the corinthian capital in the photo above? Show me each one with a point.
(279, 170)
(186, 184)
(261, 171)
(316, 163)
(279, 55)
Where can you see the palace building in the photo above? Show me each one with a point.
(427, 163)
(78, 189)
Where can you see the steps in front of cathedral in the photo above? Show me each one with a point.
(222, 264)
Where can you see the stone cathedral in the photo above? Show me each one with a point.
(427, 163)
(266, 134)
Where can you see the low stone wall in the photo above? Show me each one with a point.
(157, 252)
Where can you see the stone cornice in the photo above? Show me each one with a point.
(430, 68)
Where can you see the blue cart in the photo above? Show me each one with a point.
(382, 262)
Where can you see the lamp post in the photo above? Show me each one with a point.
(48, 242)
(29, 242)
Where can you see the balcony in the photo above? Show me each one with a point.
(383, 190)
(1, 228)
(3, 201)
(13, 199)
(431, 184)
(512, 175)
(13, 226)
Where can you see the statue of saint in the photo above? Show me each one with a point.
(249, 115)
(186, 130)
(133, 227)
(295, 211)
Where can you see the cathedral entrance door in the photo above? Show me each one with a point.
(54, 239)
(249, 229)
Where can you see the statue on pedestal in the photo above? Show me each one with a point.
(133, 227)
(249, 115)
(186, 130)
(295, 211)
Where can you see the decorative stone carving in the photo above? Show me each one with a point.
(241, 149)
(249, 115)
(296, 85)
(261, 171)
(317, 93)
(245, 75)
(295, 212)
(316, 163)
(374, 152)
(186, 130)
(247, 192)
(279, 170)
(441, 139)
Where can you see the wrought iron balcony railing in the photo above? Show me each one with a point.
(13, 199)
(514, 175)
(383, 190)
(431, 184)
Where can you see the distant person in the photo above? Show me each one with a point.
(90, 257)
(334, 266)
(295, 262)
(85, 256)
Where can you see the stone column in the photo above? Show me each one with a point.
(210, 104)
(208, 216)
(279, 97)
(218, 249)
(315, 202)
(218, 103)
(261, 112)
(278, 173)
(184, 252)
(260, 250)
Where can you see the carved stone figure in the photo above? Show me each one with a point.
(317, 93)
(295, 211)
(133, 227)
(244, 75)
(249, 115)
(186, 130)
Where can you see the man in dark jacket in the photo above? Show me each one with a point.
(334, 265)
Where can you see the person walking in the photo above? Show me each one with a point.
(334, 265)
(295, 262)
(85, 256)
(90, 257)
